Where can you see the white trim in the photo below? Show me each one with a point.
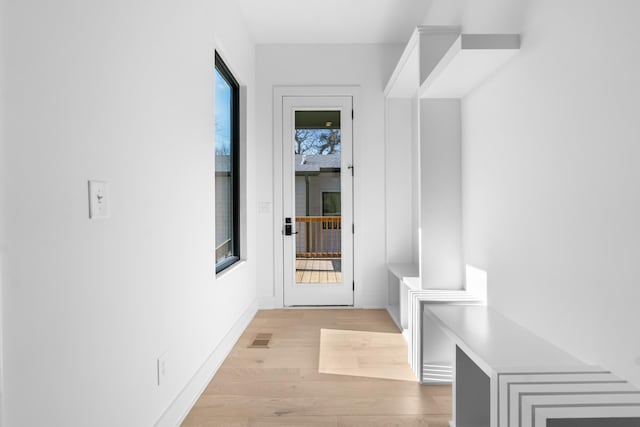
(267, 303)
(279, 92)
(542, 415)
(324, 307)
(314, 294)
(385, 171)
(630, 410)
(408, 73)
(591, 375)
(177, 411)
(243, 197)
(407, 53)
(2, 394)
(222, 275)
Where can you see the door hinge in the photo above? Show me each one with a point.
(353, 229)
(353, 285)
(352, 115)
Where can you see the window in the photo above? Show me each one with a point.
(331, 203)
(331, 207)
(227, 125)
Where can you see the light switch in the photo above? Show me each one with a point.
(98, 199)
(264, 207)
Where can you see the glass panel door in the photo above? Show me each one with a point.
(318, 198)
(317, 146)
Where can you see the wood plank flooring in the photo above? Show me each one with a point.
(364, 354)
(314, 270)
(282, 386)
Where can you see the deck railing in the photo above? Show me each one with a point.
(318, 236)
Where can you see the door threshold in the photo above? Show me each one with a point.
(319, 306)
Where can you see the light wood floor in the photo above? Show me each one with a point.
(282, 385)
(364, 354)
(313, 270)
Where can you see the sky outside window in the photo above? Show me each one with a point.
(223, 115)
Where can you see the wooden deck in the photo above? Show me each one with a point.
(309, 270)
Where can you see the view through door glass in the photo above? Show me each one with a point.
(317, 148)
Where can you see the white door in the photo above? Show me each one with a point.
(317, 226)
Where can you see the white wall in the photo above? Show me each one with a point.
(2, 203)
(368, 66)
(440, 199)
(550, 175)
(119, 91)
(400, 186)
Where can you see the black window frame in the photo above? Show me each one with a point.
(224, 71)
(328, 225)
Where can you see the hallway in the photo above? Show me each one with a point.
(281, 385)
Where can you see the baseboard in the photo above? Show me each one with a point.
(396, 321)
(175, 414)
(271, 303)
(268, 303)
(406, 335)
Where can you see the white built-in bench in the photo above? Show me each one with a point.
(432, 362)
(401, 278)
(505, 376)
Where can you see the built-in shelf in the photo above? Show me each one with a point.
(412, 283)
(430, 355)
(441, 62)
(423, 50)
(403, 271)
(406, 295)
(470, 60)
(402, 275)
(406, 76)
(504, 375)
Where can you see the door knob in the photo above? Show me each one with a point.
(288, 227)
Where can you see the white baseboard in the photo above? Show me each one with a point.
(268, 303)
(175, 414)
(271, 303)
(396, 321)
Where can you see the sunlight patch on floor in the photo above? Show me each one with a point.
(364, 354)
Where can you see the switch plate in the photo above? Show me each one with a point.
(161, 366)
(264, 207)
(98, 200)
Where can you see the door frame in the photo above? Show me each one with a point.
(279, 93)
(326, 293)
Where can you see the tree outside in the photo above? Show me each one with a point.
(317, 141)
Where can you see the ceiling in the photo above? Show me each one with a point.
(333, 21)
